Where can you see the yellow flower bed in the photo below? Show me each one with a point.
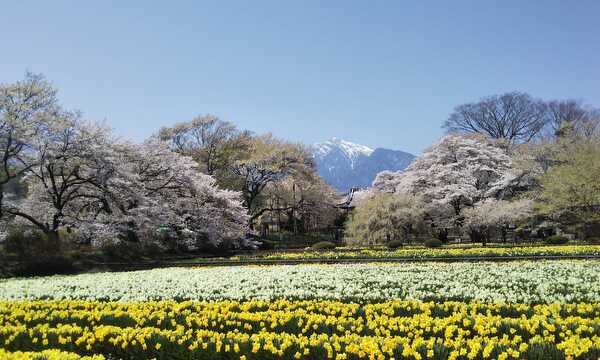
(51, 354)
(300, 330)
(593, 250)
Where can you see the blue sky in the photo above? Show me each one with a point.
(378, 73)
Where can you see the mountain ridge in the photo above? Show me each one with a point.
(344, 164)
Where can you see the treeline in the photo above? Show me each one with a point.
(277, 179)
(196, 185)
(511, 168)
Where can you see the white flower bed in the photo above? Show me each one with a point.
(529, 282)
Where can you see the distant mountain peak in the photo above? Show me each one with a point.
(350, 149)
(344, 164)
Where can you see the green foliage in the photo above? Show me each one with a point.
(394, 244)
(433, 243)
(572, 184)
(67, 235)
(121, 251)
(213, 143)
(323, 245)
(25, 241)
(273, 162)
(385, 217)
(556, 240)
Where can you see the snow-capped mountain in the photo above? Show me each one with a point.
(344, 164)
(347, 150)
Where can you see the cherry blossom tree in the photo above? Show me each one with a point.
(80, 178)
(493, 215)
(112, 191)
(176, 195)
(66, 163)
(458, 170)
(27, 108)
(455, 173)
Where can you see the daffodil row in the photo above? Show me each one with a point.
(50, 354)
(552, 281)
(303, 329)
(421, 252)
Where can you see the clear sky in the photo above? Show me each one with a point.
(380, 73)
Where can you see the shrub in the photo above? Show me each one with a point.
(25, 241)
(121, 251)
(46, 265)
(591, 230)
(394, 244)
(69, 236)
(266, 244)
(152, 250)
(593, 240)
(323, 245)
(556, 240)
(433, 243)
(15, 241)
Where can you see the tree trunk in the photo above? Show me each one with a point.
(295, 225)
(52, 241)
(477, 236)
(442, 235)
(1, 201)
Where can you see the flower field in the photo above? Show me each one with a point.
(483, 310)
(446, 252)
(52, 354)
(303, 329)
(518, 281)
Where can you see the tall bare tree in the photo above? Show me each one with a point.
(210, 141)
(571, 116)
(514, 116)
(271, 160)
